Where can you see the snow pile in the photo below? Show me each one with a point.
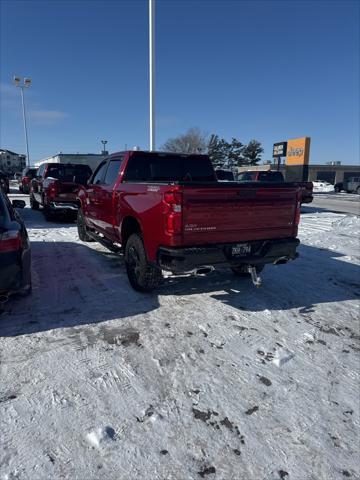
(349, 225)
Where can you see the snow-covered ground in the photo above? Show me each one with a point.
(208, 377)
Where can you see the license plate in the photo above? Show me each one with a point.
(241, 249)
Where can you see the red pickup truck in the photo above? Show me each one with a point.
(277, 177)
(167, 211)
(55, 188)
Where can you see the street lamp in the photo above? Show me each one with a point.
(152, 72)
(26, 84)
(104, 142)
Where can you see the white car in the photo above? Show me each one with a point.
(322, 187)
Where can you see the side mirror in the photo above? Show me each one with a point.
(18, 203)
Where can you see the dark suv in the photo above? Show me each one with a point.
(15, 260)
(4, 182)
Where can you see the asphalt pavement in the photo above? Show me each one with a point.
(335, 202)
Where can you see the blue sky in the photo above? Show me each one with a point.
(269, 70)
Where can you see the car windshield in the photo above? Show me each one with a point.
(67, 173)
(169, 168)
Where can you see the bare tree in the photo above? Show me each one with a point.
(193, 141)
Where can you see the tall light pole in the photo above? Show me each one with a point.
(104, 142)
(152, 72)
(26, 84)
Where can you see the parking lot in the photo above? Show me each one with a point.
(208, 377)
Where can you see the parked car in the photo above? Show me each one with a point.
(224, 175)
(275, 176)
(351, 185)
(167, 211)
(4, 182)
(15, 257)
(55, 188)
(323, 187)
(25, 179)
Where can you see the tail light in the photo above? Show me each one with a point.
(53, 189)
(10, 241)
(26, 179)
(173, 212)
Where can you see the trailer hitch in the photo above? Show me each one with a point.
(254, 276)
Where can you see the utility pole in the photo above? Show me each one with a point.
(26, 83)
(152, 72)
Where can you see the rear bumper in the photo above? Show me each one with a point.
(186, 259)
(63, 206)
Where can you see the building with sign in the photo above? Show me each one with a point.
(333, 173)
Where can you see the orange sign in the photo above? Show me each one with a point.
(298, 150)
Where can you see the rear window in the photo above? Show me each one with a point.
(224, 175)
(271, 177)
(169, 168)
(246, 177)
(67, 173)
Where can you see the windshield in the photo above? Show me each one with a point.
(67, 173)
(169, 168)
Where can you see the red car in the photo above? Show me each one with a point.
(168, 211)
(25, 180)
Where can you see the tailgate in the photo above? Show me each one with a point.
(67, 191)
(236, 212)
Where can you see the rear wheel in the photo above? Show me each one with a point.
(143, 277)
(241, 270)
(33, 203)
(81, 227)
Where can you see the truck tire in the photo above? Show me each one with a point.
(81, 227)
(33, 203)
(241, 270)
(143, 277)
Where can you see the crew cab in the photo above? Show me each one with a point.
(277, 177)
(55, 188)
(168, 211)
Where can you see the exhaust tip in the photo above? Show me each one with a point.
(281, 260)
(205, 270)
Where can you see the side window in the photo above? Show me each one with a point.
(99, 174)
(112, 171)
(137, 170)
(40, 172)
